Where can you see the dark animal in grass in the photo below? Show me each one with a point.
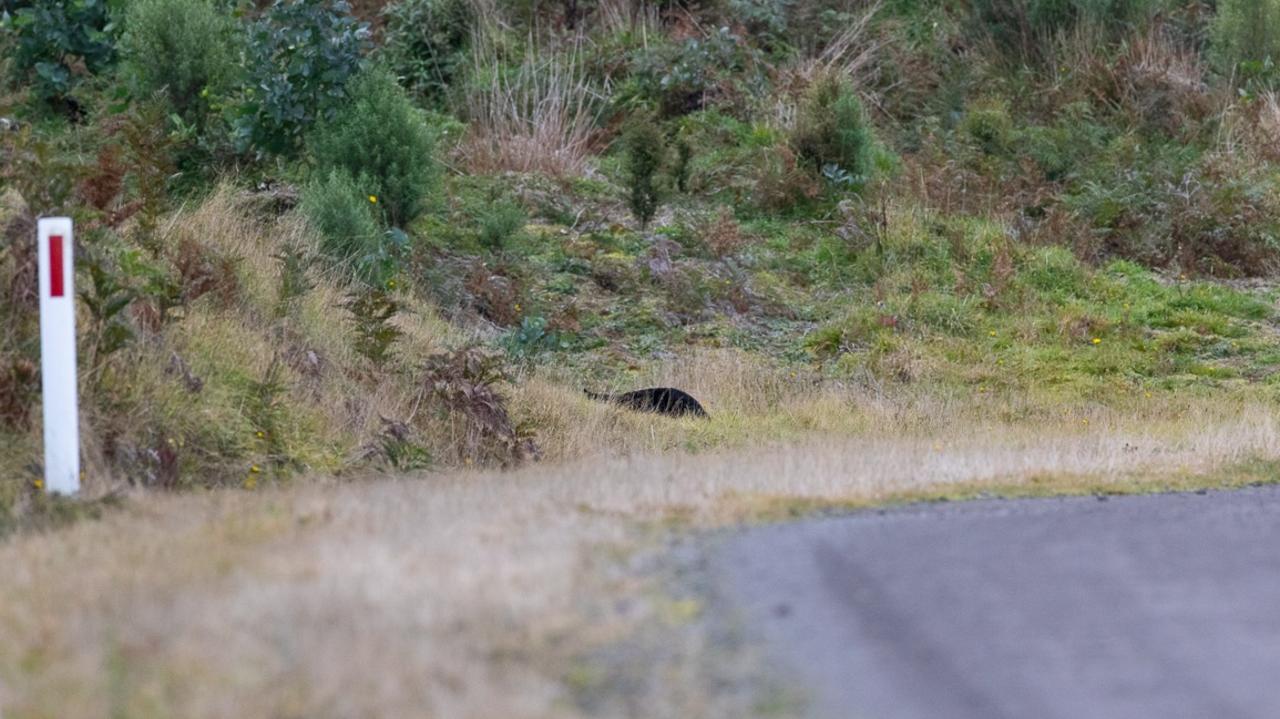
(661, 400)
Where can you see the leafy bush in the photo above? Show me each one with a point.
(182, 47)
(764, 20)
(425, 43)
(989, 125)
(1246, 31)
(381, 138)
(300, 55)
(53, 36)
(832, 130)
(679, 79)
(532, 338)
(644, 145)
(341, 210)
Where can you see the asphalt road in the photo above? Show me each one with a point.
(1155, 606)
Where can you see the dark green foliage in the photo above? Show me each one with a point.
(499, 222)
(52, 35)
(294, 280)
(43, 175)
(341, 209)
(989, 124)
(106, 297)
(372, 311)
(380, 137)
(1246, 32)
(183, 48)
(644, 146)
(785, 26)
(118, 277)
(1022, 27)
(267, 412)
(1165, 205)
(832, 133)
(684, 153)
(299, 57)
(677, 79)
(425, 43)
(765, 20)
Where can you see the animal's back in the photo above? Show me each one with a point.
(661, 400)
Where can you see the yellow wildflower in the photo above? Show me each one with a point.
(39, 484)
(1097, 340)
(253, 469)
(992, 333)
(373, 199)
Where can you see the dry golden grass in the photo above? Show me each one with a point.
(140, 398)
(470, 594)
(541, 119)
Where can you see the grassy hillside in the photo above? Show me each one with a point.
(317, 239)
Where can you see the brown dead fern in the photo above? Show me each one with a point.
(463, 385)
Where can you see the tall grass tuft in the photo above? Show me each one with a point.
(537, 117)
(620, 16)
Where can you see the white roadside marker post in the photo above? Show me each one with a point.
(58, 356)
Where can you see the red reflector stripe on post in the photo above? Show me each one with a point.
(55, 266)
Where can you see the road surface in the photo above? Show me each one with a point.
(1129, 607)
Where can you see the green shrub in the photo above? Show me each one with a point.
(644, 146)
(1246, 31)
(51, 36)
(183, 47)
(299, 57)
(341, 210)
(378, 135)
(425, 43)
(989, 125)
(832, 133)
(677, 79)
(499, 223)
